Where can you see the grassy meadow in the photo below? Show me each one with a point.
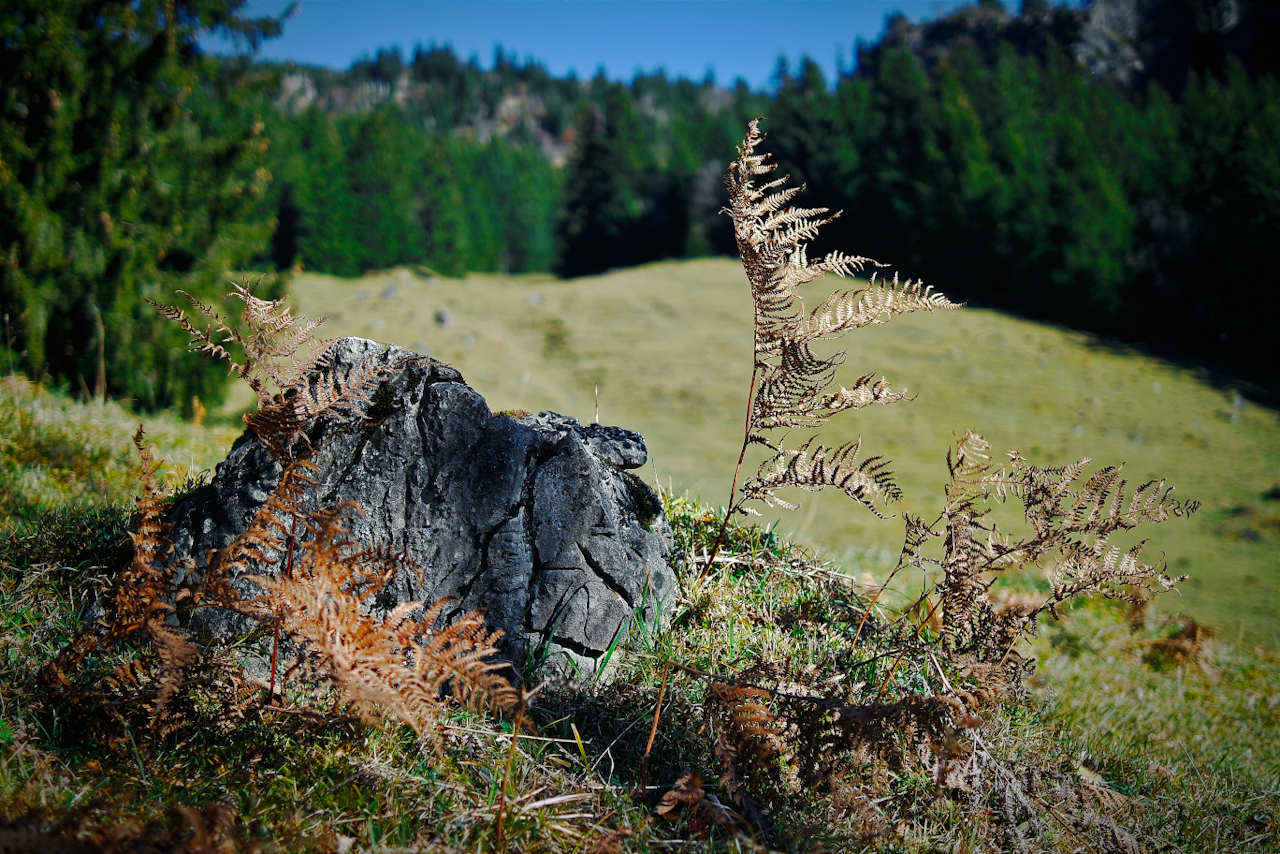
(668, 346)
(1148, 717)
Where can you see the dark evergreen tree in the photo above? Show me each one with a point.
(129, 165)
(327, 234)
(383, 171)
(446, 223)
(599, 206)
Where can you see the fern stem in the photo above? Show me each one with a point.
(874, 599)
(653, 731)
(733, 490)
(275, 646)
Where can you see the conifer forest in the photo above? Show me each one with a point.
(982, 150)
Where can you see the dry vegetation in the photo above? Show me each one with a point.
(788, 708)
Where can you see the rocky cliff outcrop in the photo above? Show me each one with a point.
(535, 519)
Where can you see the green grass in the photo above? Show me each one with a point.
(55, 451)
(669, 347)
(1170, 714)
(1164, 734)
(1166, 727)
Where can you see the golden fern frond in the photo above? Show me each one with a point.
(790, 392)
(866, 390)
(877, 303)
(919, 533)
(1099, 505)
(791, 386)
(1099, 567)
(265, 541)
(796, 392)
(460, 657)
(399, 665)
(971, 459)
(865, 482)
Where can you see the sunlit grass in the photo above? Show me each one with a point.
(55, 450)
(668, 345)
(1178, 718)
(1173, 722)
(1175, 740)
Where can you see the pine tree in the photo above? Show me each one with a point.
(129, 166)
(599, 204)
(446, 223)
(315, 169)
(383, 170)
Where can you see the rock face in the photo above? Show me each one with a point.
(535, 519)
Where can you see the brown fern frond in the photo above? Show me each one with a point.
(265, 541)
(271, 364)
(275, 337)
(750, 744)
(203, 340)
(866, 482)
(1068, 521)
(401, 665)
(460, 658)
(176, 652)
(341, 399)
(141, 602)
(278, 424)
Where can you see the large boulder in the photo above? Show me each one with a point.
(535, 519)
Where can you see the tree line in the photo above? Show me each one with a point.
(990, 161)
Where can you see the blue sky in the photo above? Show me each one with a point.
(736, 38)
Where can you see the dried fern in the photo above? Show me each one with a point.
(791, 386)
(291, 391)
(270, 344)
(1070, 523)
(142, 600)
(399, 664)
(403, 665)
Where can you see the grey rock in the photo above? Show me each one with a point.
(534, 519)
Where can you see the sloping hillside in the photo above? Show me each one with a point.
(668, 347)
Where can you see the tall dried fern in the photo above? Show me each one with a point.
(791, 386)
(915, 695)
